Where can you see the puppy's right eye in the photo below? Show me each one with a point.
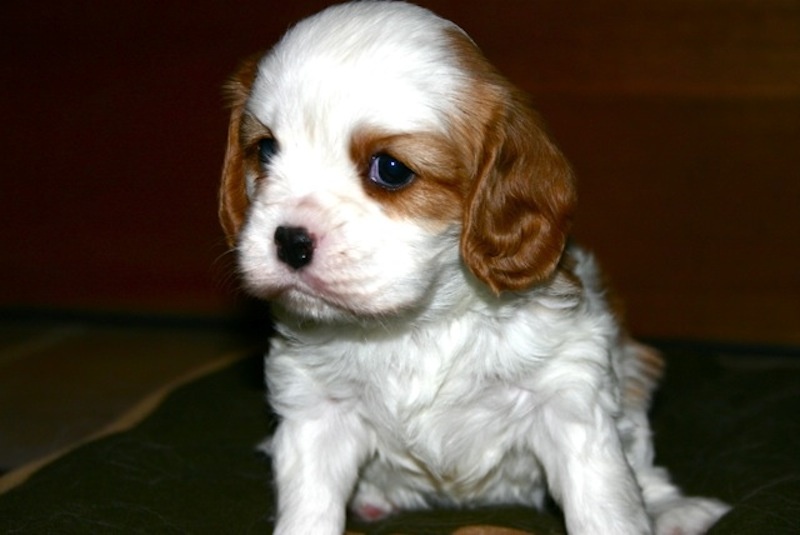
(267, 148)
(389, 173)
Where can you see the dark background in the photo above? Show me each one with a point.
(682, 120)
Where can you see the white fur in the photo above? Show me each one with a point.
(400, 380)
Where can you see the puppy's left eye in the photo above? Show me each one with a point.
(389, 173)
(267, 148)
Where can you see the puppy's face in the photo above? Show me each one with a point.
(371, 154)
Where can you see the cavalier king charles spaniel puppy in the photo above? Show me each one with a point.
(439, 341)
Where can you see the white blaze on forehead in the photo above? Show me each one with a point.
(384, 63)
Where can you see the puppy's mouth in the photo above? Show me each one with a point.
(306, 294)
(308, 305)
(303, 301)
(307, 286)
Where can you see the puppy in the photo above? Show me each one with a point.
(439, 341)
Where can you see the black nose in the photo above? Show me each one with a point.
(295, 246)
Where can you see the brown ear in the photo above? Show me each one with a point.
(233, 200)
(519, 211)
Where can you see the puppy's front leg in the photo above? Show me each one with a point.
(316, 462)
(587, 470)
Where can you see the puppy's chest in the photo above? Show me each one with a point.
(449, 422)
(443, 404)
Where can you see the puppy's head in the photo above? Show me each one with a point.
(374, 153)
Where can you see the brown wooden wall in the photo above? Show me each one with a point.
(681, 118)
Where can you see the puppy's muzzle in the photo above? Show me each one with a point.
(295, 246)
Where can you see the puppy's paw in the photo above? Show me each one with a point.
(369, 504)
(688, 516)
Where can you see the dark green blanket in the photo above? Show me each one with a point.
(727, 425)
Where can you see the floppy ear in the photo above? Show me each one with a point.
(519, 210)
(233, 201)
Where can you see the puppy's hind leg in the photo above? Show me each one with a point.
(671, 511)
